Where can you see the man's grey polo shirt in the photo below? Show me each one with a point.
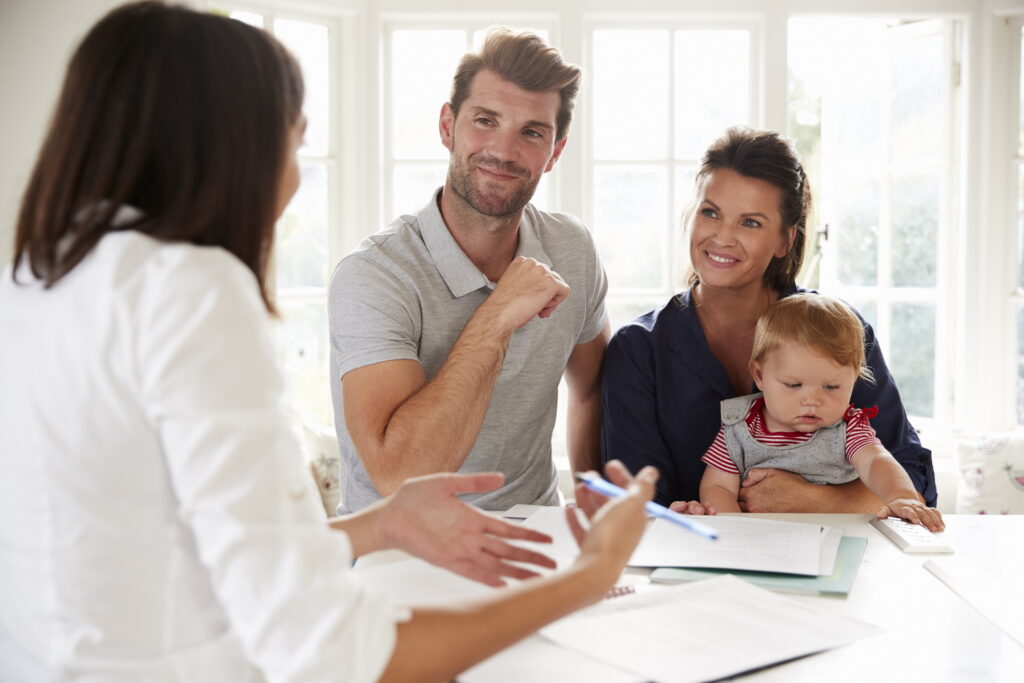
(408, 291)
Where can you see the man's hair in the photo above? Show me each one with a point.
(821, 323)
(766, 155)
(181, 114)
(524, 59)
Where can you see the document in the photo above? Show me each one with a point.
(703, 631)
(838, 581)
(743, 543)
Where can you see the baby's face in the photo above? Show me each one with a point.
(803, 390)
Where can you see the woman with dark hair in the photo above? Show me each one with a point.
(158, 521)
(667, 372)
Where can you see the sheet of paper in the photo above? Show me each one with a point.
(995, 599)
(743, 543)
(702, 631)
(830, 538)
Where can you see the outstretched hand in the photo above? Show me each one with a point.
(425, 518)
(615, 525)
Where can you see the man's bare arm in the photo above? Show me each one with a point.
(583, 378)
(404, 426)
(770, 490)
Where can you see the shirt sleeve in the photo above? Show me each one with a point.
(892, 426)
(718, 455)
(629, 430)
(858, 432)
(212, 387)
(373, 315)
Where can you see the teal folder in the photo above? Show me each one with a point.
(851, 550)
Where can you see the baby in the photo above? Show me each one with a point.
(808, 353)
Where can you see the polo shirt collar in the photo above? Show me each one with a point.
(457, 271)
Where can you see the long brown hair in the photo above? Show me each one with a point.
(766, 155)
(181, 114)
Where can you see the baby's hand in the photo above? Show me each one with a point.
(913, 511)
(691, 507)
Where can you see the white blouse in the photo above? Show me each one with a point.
(157, 522)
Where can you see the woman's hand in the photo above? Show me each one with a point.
(692, 507)
(425, 518)
(617, 525)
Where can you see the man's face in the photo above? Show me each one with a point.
(501, 143)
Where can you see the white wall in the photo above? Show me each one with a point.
(36, 41)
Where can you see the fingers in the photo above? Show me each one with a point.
(508, 552)
(575, 527)
(691, 507)
(496, 527)
(588, 501)
(617, 473)
(929, 518)
(754, 476)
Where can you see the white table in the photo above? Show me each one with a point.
(930, 633)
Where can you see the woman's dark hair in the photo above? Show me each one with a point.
(766, 155)
(181, 114)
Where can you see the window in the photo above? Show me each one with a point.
(875, 105)
(302, 254)
(653, 103)
(871, 112)
(1018, 175)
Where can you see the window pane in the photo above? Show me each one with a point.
(302, 339)
(703, 108)
(913, 356)
(412, 186)
(1020, 225)
(622, 311)
(308, 42)
(250, 18)
(422, 66)
(630, 95)
(867, 309)
(629, 224)
(916, 98)
(1020, 144)
(1020, 394)
(478, 36)
(915, 205)
(1020, 330)
(856, 234)
(301, 250)
(685, 191)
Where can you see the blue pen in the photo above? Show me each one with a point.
(606, 488)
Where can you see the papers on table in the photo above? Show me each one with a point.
(744, 543)
(837, 582)
(702, 631)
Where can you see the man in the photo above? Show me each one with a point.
(451, 328)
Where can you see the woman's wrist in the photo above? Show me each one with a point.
(364, 530)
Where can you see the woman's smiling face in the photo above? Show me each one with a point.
(736, 230)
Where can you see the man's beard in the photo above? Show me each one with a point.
(460, 180)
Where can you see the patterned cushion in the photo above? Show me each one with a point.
(321, 450)
(991, 474)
